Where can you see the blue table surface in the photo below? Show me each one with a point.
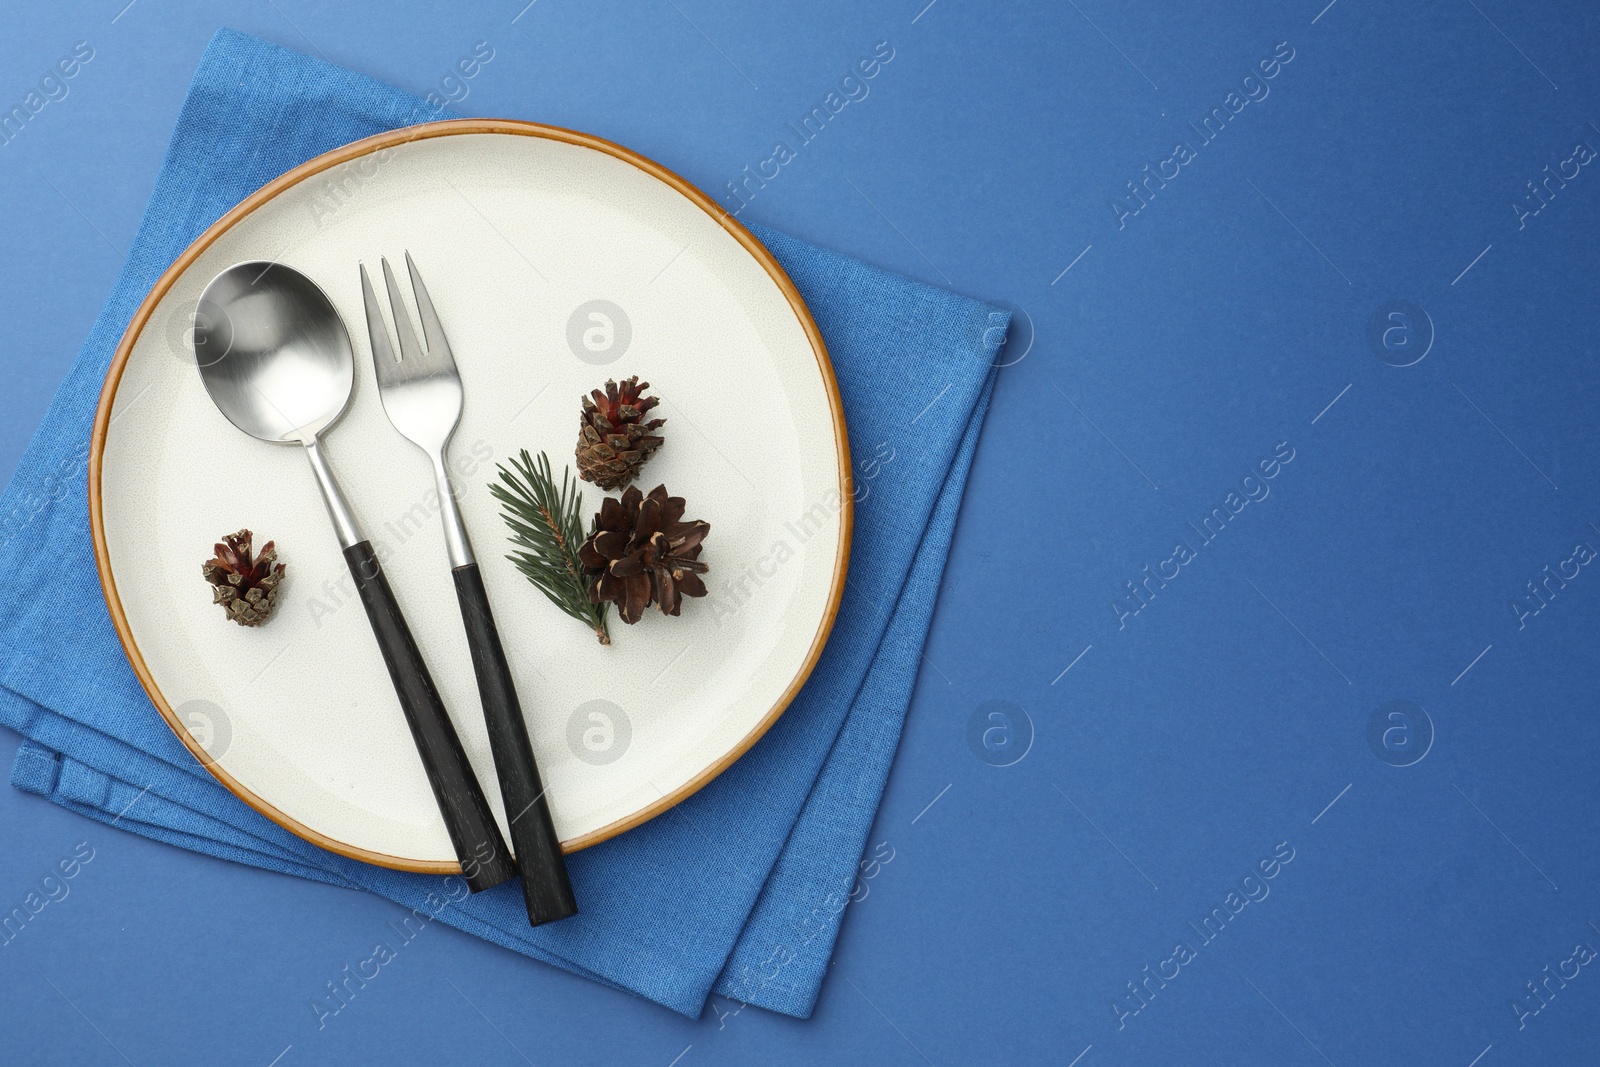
(1276, 563)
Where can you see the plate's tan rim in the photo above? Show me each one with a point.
(355, 150)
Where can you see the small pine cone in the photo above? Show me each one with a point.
(614, 438)
(246, 585)
(643, 553)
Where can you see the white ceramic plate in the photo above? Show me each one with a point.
(556, 260)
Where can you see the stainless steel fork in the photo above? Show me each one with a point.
(421, 392)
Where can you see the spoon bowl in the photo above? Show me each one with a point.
(273, 352)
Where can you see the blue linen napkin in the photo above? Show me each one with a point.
(660, 916)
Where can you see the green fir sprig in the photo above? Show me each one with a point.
(547, 524)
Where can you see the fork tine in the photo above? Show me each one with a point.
(432, 329)
(383, 357)
(409, 348)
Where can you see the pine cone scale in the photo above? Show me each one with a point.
(627, 566)
(690, 583)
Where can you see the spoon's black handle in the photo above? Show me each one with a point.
(545, 888)
(485, 861)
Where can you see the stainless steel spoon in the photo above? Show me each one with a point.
(275, 357)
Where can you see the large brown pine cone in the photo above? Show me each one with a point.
(643, 553)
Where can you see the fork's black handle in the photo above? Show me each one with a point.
(545, 888)
(485, 860)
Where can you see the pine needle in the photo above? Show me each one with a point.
(547, 525)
